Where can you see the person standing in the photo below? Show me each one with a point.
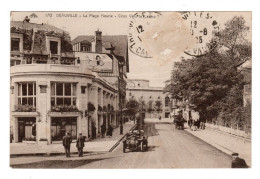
(80, 144)
(103, 130)
(66, 143)
(110, 130)
(238, 162)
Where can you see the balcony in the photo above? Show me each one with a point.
(50, 68)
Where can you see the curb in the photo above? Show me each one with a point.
(118, 142)
(48, 154)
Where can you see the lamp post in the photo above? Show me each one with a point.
(120, 80)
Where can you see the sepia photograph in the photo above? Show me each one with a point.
(130, 90)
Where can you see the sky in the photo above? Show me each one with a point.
(165, 38)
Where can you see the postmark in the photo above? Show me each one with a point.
(204, 29)
(140, 22)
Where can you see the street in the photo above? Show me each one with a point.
(170, 148)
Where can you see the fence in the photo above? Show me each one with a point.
(228, 130)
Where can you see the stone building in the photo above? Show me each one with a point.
(154, 102)
(52, 91)
(107, 56)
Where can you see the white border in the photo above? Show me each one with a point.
(120, 5)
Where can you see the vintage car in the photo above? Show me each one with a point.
(135, 140)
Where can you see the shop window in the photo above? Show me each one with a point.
(27, 94)
(54, 47)
(15, 44)
(59, 127)
(63, 94)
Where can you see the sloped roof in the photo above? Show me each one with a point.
(120, 42)
(30, 26)
(35, 41)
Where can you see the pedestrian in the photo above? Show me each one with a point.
(66, 143)
(110, 130)
(103, 130)
(238, 162)
(160, 117)
(80, 144)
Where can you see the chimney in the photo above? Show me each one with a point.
(98, 41)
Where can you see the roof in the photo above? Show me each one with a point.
(120, 42)
(30, 26)
(35, 41)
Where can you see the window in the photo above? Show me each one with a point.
(27, 94)
(15, 44)
(54, 47)
(167, 101)
(63, 94)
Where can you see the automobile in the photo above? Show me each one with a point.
(135, 141)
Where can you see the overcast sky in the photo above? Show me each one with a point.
(165, 41)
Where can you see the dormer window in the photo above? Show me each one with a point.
(15, 44)
(54, 47)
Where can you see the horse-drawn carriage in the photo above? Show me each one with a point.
(178, 121)
(135, 140)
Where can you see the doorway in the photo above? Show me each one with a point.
(26, 129)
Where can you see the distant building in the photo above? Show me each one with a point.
(52, 91)
(154, 102)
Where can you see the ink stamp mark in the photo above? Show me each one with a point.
(205, 29)
(137, 26)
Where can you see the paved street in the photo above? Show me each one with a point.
(170, 148)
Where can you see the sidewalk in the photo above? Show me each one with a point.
(99, 145)
(224, 142)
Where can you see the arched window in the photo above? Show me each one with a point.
(167, 101)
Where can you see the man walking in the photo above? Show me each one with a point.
(66, 143)
(80, 144)
(238, 162)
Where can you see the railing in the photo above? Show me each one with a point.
(229, 130)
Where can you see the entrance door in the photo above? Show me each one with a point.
(26, 129)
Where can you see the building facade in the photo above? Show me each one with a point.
(153, 101)
(52, 91)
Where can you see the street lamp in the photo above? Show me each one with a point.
(120, 80)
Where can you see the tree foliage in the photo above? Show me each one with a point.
(212, 82)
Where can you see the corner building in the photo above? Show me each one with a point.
(52, 91)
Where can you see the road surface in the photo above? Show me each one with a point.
(171, 148)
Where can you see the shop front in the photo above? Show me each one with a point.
(26, 129)
(61, 125)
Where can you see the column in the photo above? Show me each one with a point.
(94, 99)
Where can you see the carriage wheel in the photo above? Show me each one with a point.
(142, 146)
(124, 148)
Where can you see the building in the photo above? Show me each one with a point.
(108, 57)
(52, 91)
(153, 101)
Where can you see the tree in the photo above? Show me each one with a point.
(132, 106)
(158, 106)
(212, 82)
(142, 105)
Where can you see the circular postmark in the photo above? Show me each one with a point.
(137, 26)
(204, 29)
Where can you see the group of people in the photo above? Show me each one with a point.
(109, 130)
(80, 144)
